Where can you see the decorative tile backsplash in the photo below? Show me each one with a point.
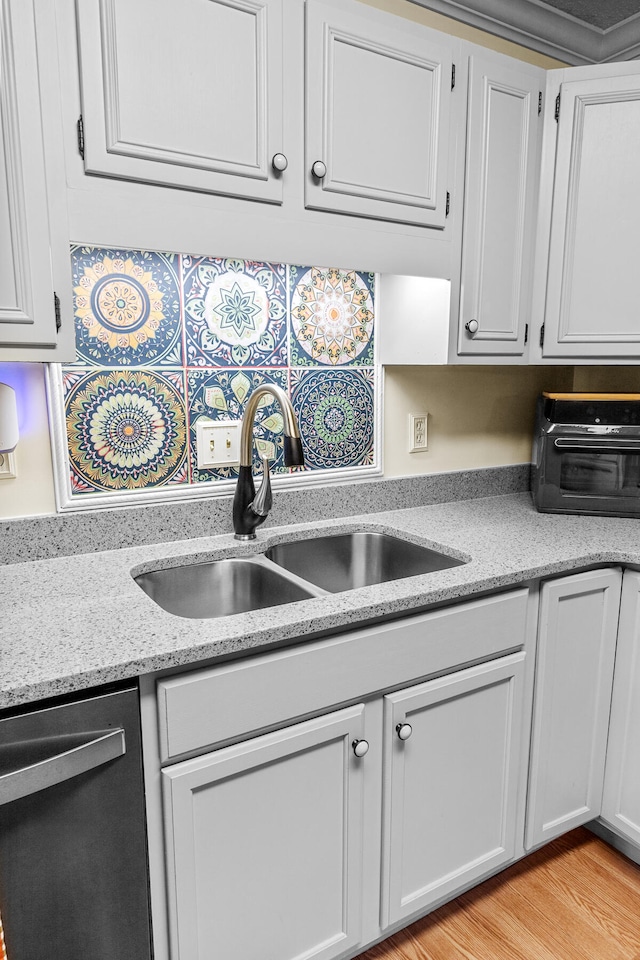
(165, 339)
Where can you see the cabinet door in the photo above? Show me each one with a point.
(576, 651)
(621, 797)
(451, 787)
(187, 94)
(264, 845)
(377, 114)
(500, 200)
(592, 295)
(28, 317)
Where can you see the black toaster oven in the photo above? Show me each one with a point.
(586, 454)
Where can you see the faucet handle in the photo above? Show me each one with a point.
(262, 501)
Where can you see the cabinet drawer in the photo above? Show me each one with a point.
(215, 705)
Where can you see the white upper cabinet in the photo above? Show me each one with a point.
(378, 91)
(33, 235)
(485, 313)
(593, 208)
(184, 94)
(501, 187)
(192, 110)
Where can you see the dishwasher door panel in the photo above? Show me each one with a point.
(73, 856)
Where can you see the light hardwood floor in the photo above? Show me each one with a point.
(576, 899)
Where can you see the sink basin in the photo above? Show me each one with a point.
(219, 588)
(346, 561)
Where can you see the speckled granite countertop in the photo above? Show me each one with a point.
(78, 621)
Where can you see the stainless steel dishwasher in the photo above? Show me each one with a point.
(73, 854)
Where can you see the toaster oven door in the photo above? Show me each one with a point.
(584, 475)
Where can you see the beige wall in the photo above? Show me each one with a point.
(478, 416)
(607, 379)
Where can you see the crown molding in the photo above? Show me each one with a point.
(539, 27)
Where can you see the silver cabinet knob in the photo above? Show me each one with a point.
(471, 327)
(319, 169)
(279, 162)
(404, 730)
(360, 747)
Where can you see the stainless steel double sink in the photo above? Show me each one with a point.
(289, 571)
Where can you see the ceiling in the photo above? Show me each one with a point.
(574, 31)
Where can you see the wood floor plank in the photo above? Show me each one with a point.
(530, 918)
(576, 919)
(597, 852)
(600, 900)
(575, 898)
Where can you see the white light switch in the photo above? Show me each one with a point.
(217, 443)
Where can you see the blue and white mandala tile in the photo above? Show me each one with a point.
(331, 316)
(222, 395)
(335, 410)
(127, 308)
(126, 429)
(235, 313)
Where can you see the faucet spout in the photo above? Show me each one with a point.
(249, 510)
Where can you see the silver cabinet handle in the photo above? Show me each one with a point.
(279, 162)
(360, 747)
(471, 327)
(404, 730)
(319, 169)
(24, 781)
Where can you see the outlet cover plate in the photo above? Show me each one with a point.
(417, 432)
(7, 466)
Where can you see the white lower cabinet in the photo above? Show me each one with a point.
(320, 833)
(265, 839)
(451, 786)
(621, 797)
(265, 844)
(312, 839)
(578, 625)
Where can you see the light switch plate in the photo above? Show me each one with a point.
(7, 466)
(217, 443)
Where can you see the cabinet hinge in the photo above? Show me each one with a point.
(453, 75)
(56, 308)
(539, 102)
(447, 204)
(557, 113)
(526, 332)
(80, 126)
(542, 335)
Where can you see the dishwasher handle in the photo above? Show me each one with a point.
(102, 747)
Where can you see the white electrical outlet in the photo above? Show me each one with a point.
(217, 443)
(417, 432)
(7, 466)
